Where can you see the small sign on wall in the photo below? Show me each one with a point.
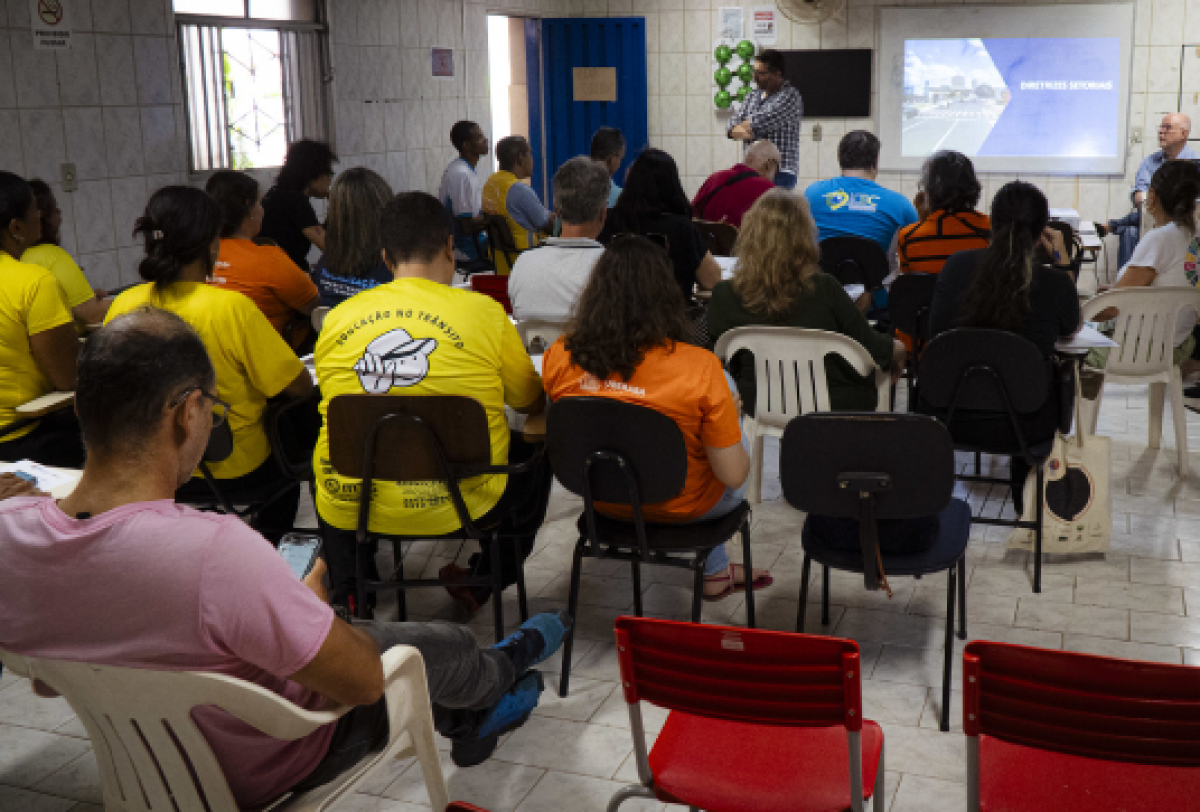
(443, 62)
(51, 24)
(763, 27)
(595, 84)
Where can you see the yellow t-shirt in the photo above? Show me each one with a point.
(457, 343)
(71, 282)
(29, 304)
(252, 362)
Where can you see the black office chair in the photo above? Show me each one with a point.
(292, 427)
(420, 438)
(619, 453)
(855, 261)
(472, 266)
(909, 303)
(867, 468)
(719, 237)
(500, 239)
(979, 374)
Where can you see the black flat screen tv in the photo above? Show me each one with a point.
(833, 83)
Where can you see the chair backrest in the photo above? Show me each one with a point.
(539, 335)
(743, 675)
(318, 317)
(1082, 704)
(494, 286)
(855, 261)
(909, 302)
(633, 440)
(789, 367)
(720, 237)
(406, 437)
(220, 443)
(977, 369)
(500, 237)
(1145, 326)
(151, 755)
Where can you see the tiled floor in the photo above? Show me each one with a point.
(1141, 600)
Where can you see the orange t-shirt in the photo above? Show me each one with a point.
(267, 275)
(925, 246)
(685, 383)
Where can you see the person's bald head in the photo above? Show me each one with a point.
(130, 372)
(763, 157)
(1173, 133)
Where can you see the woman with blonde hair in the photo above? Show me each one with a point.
(352, 261)
(778, 283)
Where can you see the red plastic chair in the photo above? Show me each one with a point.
(492, 285)
(459, 806)
(760, 721)
(1054, 730)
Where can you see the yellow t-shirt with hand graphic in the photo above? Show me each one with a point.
(418, 337)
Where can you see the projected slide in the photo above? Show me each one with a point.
(1026, 97)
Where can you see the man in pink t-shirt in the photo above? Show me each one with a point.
(118, 574)
(728, 194)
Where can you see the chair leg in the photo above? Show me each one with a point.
(398, 560)
(824, 595)
(1037, 531)
(1179, 416)
(947, 669)
(360, 589)
(748, 568)
(572, 606)
(962, 597)
(754, 488)
(637, 586)
(805, 572)
(497, 588)
(427, 757)
(522, 598)
(877, 801)
(625, 793)
(978, 464)
(1158, 393)
(698, 588)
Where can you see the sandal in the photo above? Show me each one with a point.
(732, 586)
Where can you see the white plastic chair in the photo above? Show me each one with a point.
(318, 317)
(789, 364)
(1145, 331)
(547, 332)
(153, 758)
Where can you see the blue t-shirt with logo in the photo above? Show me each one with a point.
(856, 207)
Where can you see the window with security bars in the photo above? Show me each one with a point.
(255, 79)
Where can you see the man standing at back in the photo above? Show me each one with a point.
(506, 194)
(772, 112)
(546, 283)
(419, 336)
(729, 194)
(608, 147)
(460, 188)
(854, 205)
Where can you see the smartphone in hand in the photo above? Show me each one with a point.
(300, 551)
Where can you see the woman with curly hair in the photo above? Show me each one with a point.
(289, 220)
(777, 282)
(629, 341)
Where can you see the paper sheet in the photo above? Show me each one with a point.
(1088, 338)
(58, 482)
(727, 265)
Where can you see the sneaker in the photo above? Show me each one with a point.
(513, 709)
(470, 598)
(538, 638)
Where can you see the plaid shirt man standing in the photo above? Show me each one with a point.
(772, 112)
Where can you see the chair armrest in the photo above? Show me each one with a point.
(883, 389)
(46, 404)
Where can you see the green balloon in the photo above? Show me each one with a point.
(745, 49)
(723, 99)
(723, 53)
(742, 93)
(745, 72)
(723, 76)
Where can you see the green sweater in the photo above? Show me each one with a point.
(824, 307)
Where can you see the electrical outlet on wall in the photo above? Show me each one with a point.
(70, 180)
(816, 132)
(1135, 135)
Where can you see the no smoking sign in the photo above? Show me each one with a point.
(50, 23)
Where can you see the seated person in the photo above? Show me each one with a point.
(505, 194)
(181, 229)
(608, 147)
(38, 343)
(88, 306)
(629, 328)
(949, 223)
(653, 204)
(462, 343)
(546, 283)
(351, 262)
(289, 220)
(1167, 253)
(203, 592)
(461, 188)
(778, 282)
(854, 205)
(1010, 286)
(728, 194)
(284, 293)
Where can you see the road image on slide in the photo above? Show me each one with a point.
(953, 96)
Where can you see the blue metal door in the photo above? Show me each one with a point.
(604, 42)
